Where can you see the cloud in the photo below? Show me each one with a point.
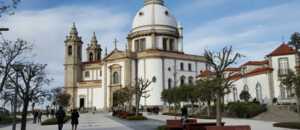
(47, 29)
(254, 33)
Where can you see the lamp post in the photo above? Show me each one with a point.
(18, 68)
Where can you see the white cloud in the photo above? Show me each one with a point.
(47, 29)
(254, 33)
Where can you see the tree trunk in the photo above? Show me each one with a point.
(24, 115)
(298, 105)
(218, 110)
(137, 105)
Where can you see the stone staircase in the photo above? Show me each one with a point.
(279, 113)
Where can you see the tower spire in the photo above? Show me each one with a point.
(73, 31)
(146, 2)
(94, 39)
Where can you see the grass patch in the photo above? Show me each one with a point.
(53, 121)
(136, 118)
(4, 120)
(163, 127)
(291, 125)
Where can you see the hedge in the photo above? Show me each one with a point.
(244, 109)
(53, 121)
(7, 120)
(136, 118)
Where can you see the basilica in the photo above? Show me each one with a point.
(155, 52)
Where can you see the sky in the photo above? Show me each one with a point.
(253, 27)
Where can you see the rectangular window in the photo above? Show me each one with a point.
(140, 44)
(137, 45)
(190, 67)
(165, 44)
(283, 65)
(171, 42)
(181, 66)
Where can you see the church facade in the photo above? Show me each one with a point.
(154, 52)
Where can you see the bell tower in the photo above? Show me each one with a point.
(94, 50)
(73, 50)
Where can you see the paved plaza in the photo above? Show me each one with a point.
(104, 121)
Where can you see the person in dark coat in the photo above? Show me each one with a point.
(74, 118)
(184, 114)
(60, 116)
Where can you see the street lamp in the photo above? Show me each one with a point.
(18, 68)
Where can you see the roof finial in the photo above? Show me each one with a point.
(94, 38)
(161, 2)
(105, 51)
(115, 43)
(74, 30)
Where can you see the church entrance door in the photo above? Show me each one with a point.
(81, 103)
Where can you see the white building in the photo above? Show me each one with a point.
(262, 78)
(154, 52)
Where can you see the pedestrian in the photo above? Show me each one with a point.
(40, 114)
(52, 113)
(35, 115)
(184, 115)
(60, 116)
(74, 119)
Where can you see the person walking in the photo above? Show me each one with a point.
(35, 116)
(40, 114)
(74, 119)
(184, 115)
(60, 116)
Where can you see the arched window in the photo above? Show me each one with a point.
(259, 92)
(171, 42)
(191, 80)
(181, 66)
(235, 94)
(91, 56)
(246, 88)
(69, 50)
(182, 80)
(165, 44)
(87, 74)
(169, 83)
(116, 78)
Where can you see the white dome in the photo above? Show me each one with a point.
(154, 14)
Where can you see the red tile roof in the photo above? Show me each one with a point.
(257, 71)
(283, 49)
(233, 69)
(206, 73)
(92, 62)
(264, 62)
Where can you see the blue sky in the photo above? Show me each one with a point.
(252, 27)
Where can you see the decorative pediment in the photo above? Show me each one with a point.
(114, 55)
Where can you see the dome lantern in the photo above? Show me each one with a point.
(161, 2)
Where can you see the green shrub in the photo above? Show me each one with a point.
(244, 109)
(292, 125)
(162, 127)
(136, 118)
(53, 121)
(7, 120)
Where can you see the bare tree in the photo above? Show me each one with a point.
(32, 80)
(10, 54)
(219, 62)
(61, 97)
(141, 89)
(8, 6)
